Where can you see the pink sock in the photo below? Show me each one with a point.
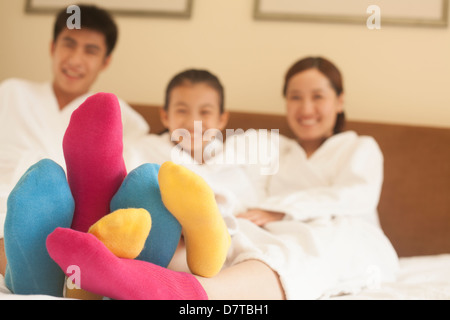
(93, 150)
(101, 272)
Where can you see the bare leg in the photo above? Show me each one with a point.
(2, 257)
(249, 280)
(178, 262)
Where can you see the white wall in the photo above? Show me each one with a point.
(396, 74)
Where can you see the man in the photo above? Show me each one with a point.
(34, 116)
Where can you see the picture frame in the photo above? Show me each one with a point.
(152, 8)
(418, 13)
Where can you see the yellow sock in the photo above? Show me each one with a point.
(124, 233)
(189, 198)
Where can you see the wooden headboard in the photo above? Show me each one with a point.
(414, 208)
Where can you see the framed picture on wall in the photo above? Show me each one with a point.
(392, 12)
(160, 8)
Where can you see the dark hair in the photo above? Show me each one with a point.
(329, 70)
(93, 18)
(194, 76)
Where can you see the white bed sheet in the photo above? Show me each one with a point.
(5, 294)
(420, 278)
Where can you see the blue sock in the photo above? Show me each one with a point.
(40, 202)
(140, 189)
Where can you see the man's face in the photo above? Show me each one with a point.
(78, 56)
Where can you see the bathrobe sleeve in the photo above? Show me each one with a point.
(134, 125)
(354, 190)
(10, 149)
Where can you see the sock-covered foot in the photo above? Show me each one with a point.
(93, 150)
(103, 273)
(192, 202)
(140, 189)
(40, 202)
(124, 233)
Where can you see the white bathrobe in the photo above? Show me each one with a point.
(32, 128)
(343, 177)
(330, 241)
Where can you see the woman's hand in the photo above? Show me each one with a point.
(261, 217)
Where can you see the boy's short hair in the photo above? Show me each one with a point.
(195, 76)
(94, 18)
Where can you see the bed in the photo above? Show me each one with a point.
(414, 208)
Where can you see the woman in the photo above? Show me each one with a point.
(329, 182)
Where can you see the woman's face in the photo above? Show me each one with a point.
(312, 106)
(196, 109)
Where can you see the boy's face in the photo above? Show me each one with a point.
(190, 103)
(78, 56)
